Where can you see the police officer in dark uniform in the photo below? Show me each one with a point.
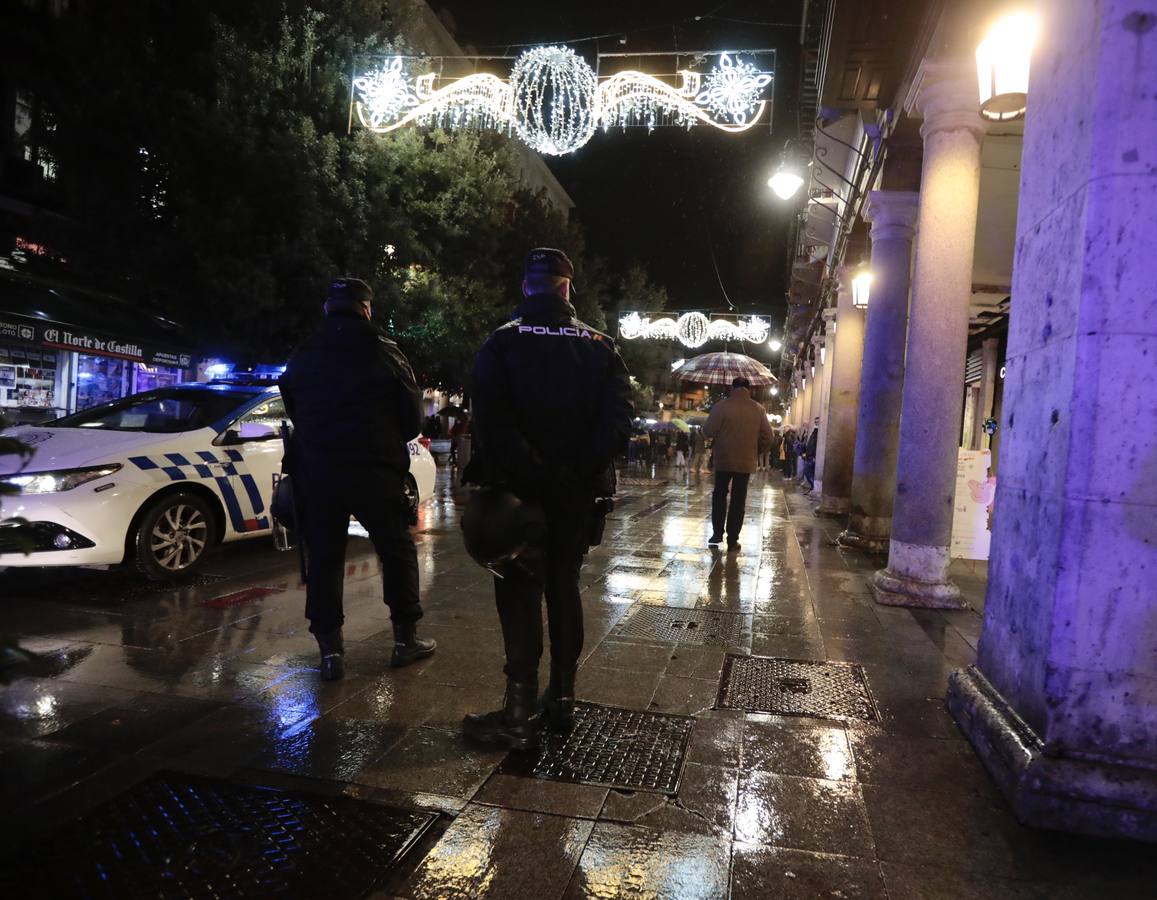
(552, 409)
(354, 404)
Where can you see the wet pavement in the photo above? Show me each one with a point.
(218, 678)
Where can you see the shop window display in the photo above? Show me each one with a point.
(100, 379)
(27, 377)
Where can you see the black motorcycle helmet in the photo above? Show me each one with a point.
(498, 528)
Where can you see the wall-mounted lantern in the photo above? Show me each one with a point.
(1002, 64)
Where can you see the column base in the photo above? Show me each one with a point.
(833, 507)
(917, 576)
(893, 589)
(1103, 797)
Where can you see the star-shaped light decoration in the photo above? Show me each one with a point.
(386, 93)
(732, 89)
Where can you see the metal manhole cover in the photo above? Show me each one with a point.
(184, 836)
(797, 687)
(611, 747)
(710, 627)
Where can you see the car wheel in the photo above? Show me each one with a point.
(174, 536)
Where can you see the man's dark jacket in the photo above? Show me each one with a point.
(552, 405)
(352, 397)
(809, 451)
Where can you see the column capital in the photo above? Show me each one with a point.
(893, 214)
(946, 96)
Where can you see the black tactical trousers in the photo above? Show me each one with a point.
(731, 514)
(550, 568)
(329, 496)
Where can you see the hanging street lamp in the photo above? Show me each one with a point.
(861, 287)
(775, 344)
(785, 182)
(1002, 64)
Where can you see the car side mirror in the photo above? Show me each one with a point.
(256, 431)
(230, 438)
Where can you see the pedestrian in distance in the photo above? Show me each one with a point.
(698, 450)
(354, 405)
(548, 368)
(682, 445)
(739, 429)
(809, 455)
(787, 452)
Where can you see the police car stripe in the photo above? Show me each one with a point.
(245, 510)
(231, 504)
(254, 494)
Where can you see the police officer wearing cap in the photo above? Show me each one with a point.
(552, 409)
(354, 404)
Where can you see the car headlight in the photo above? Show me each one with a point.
(62, 480)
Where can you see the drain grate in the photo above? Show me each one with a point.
(709, 627)
(182, 836)
(797, 687)
(611, 747)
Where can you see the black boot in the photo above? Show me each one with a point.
(557, 702)
(515, 726)
(332, 655)
(408, 647)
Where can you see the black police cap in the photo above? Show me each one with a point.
(548, 261)
(349, 290)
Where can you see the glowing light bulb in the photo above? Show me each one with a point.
(775, 344)
(785, 183)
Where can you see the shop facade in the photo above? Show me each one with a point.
(62, 350)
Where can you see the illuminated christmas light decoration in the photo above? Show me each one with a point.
(693, 329)
(732, 88)
(554, 93)
(554, 101)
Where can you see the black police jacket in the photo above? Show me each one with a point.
(552, 405)
(352, 397)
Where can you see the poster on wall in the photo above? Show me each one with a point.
(975, 489)
(7, 376)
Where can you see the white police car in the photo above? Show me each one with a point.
(157, 478)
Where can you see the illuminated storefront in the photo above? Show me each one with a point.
(64, 349)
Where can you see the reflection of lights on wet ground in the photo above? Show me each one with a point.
(45, 706)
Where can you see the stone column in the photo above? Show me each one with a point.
(840, 432)
(1062, 704)
(877, 435)
(829, 346)
(818, 378)
(933, 396)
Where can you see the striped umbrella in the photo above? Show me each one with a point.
(723, 368)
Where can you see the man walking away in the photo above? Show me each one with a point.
(351, 396)
(552, 410)
(740, 430)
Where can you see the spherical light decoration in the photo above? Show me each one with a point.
(692, 329)
(555, 97)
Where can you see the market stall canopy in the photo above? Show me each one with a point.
(452, 411)
(723, 368)
(71, 318)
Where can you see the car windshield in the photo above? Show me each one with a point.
(166, 411)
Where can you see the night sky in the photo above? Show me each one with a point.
(671, 198)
